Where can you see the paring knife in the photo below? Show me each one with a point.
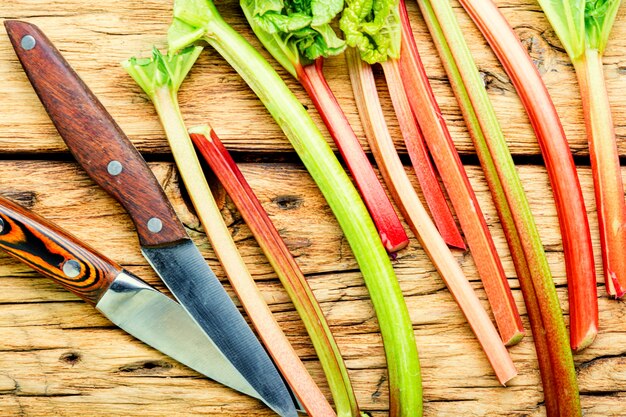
(126, 300)
(107, 155)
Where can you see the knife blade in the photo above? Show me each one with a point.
(110, 159)
(126, 300)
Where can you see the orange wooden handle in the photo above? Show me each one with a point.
(54, 253)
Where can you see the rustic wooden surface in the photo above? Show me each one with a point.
(58, 356)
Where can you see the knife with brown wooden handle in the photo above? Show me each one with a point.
(127, 301)
(107, 155)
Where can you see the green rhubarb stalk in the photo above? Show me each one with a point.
(299, 36)
(550, 335)
(286, 267)
(200, 19)
(584, 26)
(160, 77)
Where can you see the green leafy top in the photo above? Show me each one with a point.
(599, 19)
(295, 32)
(581, 24)
(373, 27)
(162, 70)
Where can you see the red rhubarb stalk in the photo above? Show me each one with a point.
(385, 218)
(437, 136)
(416, 148)
(364, 87)
(290, 275)
(607, 174)
(559, 162)
(551, 341)
(300, 47)
(584, 28)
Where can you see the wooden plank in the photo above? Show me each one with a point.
(58, 356)
(96, 36)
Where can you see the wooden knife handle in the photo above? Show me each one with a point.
(56, 254)
(93, 137)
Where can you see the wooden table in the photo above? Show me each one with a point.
(58, 356)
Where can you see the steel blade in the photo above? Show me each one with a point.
(160, 322)
(185, 272)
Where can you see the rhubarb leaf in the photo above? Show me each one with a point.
(373, 27)
(162, 70)
(567, 17)
(599, 19)
(295, 32)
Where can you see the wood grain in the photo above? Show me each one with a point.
(96, 36)
(58, 356)
(52, 359)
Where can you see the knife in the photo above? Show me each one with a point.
(110, 159)
(126, 300)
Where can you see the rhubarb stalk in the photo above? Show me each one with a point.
(364, 87)
(584, 28)
(559, 162)
(160, 77)
(196, 20)
(420, 158)
(290, 275)
(378, 33)
(531, 264)
(298, 34)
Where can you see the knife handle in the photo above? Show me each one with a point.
(93, 137)
(54, 253)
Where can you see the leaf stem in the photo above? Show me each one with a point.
(416, 148)
(290, 275)
(607, 176)
(385, 218)
(274, 339)
(473, 224)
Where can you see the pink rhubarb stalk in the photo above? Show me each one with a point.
(607, 174)
(416, 148)
(437, 136)
(215, 154)
(385, 218)
(373, 120)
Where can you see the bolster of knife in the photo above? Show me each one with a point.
(54, 253)
(94, 138)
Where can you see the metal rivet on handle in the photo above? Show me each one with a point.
(28, 42)
(71, 268)
(155, 225)
(115, 168)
